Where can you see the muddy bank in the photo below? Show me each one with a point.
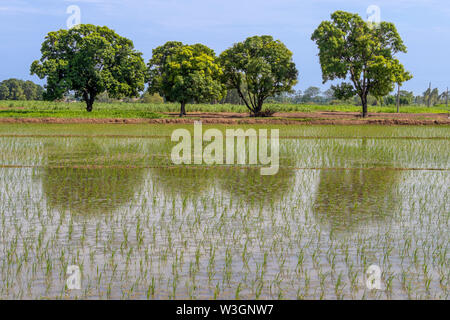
(326, 118)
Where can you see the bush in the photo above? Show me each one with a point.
(148, 98)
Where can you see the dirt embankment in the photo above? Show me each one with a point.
(332, 118)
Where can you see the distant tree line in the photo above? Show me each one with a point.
(313, 95)
(432, 97)
(15, 89)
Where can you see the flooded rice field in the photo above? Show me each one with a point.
(109, 200)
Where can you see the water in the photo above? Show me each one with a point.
(108, 199)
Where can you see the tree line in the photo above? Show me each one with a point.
(314, 95)
(90, 60)
(15, 89)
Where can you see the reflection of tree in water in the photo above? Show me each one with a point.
(250, 186)
(182, 181)
(84, 190)
(246, 184)
(346, 198)
(242, 183)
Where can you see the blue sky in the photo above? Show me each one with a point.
(423, 24)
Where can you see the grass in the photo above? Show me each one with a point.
(39, 109)
(286, 131)
(343, 200)
(79, 114)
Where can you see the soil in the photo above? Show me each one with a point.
(332, 118)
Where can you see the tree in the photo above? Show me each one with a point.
(434, 96)
(32, 91)
(185, 73)
(311, 94)
(351, 48)
(431, 96)
(406, 98)
(328, 94)
(232, 97)
(443, 98)
(15, 89)
(89, 60)
(151, 98)
(297, 96)
(4, 91)
(284, 97)
(427, 96)
(261, 65)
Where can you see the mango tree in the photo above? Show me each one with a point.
(185, 73)
(350, 47)
(89, 60)
(258, 68)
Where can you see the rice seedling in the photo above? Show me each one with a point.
(110, 202)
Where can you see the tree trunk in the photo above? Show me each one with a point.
(183, 109)
(89, 99)
(89, 106)
(364, 106)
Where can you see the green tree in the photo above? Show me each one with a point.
(443, 98)
(351, 48)
(427, 97)
(311, 94)
(328, 95)
(151, 98)
(232, 97)
(431, 97)
(297, 96)
(185, 73)
(15, 89)
(4, 91)
(32, 91)
(90, 60)
(406, 98)
(434, 96)
(261, 65)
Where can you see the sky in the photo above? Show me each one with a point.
(424, 25)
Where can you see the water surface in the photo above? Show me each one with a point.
(108, 199)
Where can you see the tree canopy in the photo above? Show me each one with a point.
(185, 73)
(351, 48)
(262, 66)
(89, 60)
(15, 89)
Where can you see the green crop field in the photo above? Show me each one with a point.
(108, 199)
